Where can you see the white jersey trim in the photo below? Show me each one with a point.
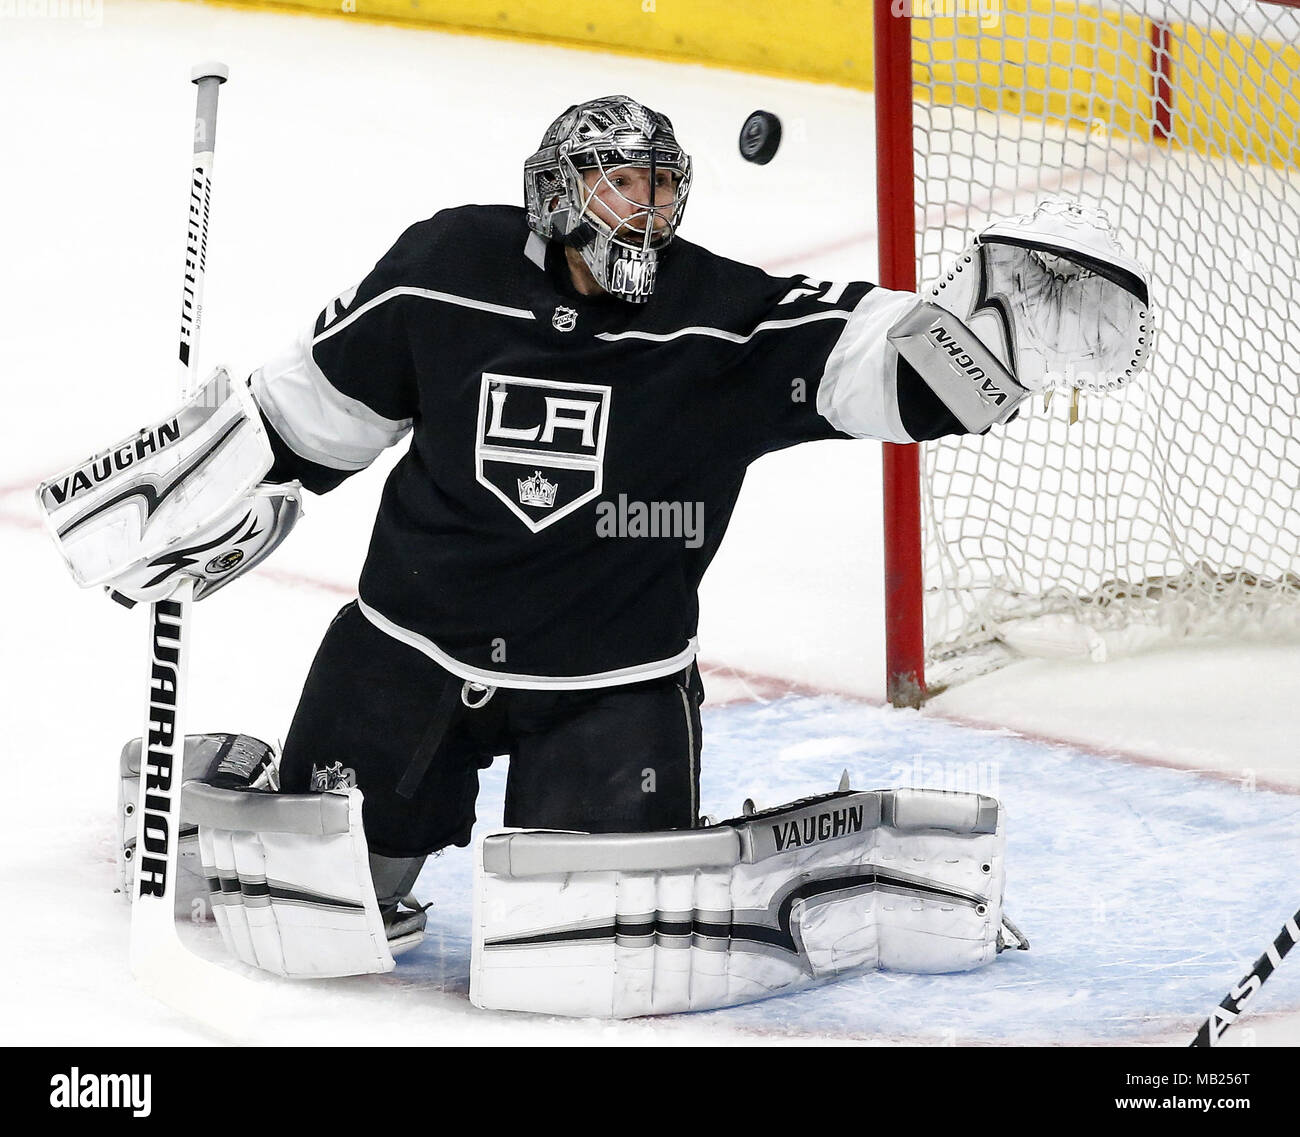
(617, 678)
(316, 420)
(424, 294)
(858, 393)
(721, 333)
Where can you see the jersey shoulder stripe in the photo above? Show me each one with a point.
(722, 333)
(425, 294)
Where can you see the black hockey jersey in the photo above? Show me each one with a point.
(574, 461)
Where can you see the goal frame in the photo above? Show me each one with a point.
(904, 567)
(901, 464)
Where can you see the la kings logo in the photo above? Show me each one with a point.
(540, 445)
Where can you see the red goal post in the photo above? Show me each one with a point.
(1093, 527)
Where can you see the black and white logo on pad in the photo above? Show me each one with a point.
(540, 445)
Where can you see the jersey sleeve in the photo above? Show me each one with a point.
(345, 389)
(827, 370)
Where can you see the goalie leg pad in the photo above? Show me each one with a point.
(636, 924)
(232, 760)
(290, 881)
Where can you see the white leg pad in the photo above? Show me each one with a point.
(202, 752)
(290, 881)
(623, 925)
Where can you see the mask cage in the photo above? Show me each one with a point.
(637, 231)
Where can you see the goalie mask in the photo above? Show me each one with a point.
(619, 223)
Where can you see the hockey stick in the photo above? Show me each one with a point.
(1226, 1013)
(159, 962)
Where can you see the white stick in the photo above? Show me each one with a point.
(208, 77)
(219, 998)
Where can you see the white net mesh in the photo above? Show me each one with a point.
(1172, 509)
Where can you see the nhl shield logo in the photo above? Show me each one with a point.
(564, 319)
(540, 445)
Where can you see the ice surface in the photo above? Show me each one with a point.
(1145, 892)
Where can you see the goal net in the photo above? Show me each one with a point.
(1101, 525)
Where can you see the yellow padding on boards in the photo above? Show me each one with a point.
(823, 40)
(1256, 109)
(1236, 98)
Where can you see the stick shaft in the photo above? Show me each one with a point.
(1231, 1006)
(196, 227)
(162, 768)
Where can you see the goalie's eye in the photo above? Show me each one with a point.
(636, 185)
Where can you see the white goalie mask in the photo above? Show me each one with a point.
(575, 193)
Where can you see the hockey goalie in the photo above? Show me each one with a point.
(545, 360)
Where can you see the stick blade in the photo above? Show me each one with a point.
(223, 1001)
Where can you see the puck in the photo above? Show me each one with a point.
(759, 137)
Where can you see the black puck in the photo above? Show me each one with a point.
(759, 137)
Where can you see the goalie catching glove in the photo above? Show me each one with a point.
(1038, 302)
(179, 498)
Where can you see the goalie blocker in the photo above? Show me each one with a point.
(179, 498)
